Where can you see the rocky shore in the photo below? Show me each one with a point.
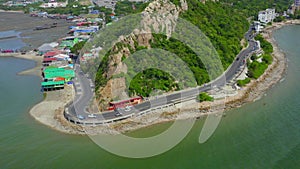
(50, 111)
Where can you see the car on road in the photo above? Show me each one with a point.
(117, 114)
(92, 86)
(80, 117)
(127, 108)
(92, 116)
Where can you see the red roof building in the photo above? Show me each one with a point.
(52, 53)
(49, 59)
(124, 103)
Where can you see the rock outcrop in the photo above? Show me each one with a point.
(159, 17)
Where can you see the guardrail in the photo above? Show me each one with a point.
(75, 120)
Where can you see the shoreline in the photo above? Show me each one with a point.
(11, 11)
(52, 115)
(28, 56)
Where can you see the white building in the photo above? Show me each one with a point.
(257, 26)
(54, 4)
(297, 3)
(267, 15)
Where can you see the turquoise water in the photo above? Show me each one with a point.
(261, 135)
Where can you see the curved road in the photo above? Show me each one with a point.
(76, 112)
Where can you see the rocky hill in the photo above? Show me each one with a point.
(222, 25)
(158, 17)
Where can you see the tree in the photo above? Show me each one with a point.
(77, 47)
(204, 97)
(243, 82)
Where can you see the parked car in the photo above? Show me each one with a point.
(127, 108)
(118, 114)
(92, 116)
(80, 117)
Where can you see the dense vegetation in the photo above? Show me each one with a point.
(144, 83)
(243, 82)
(21, 8)
(183, 52)
(224, 26)
(224, 23)
(147, 81)
(251, 7)
(69, 9)
(255, 68)
(126, 7)
(204, 97)
(77, 47)
(101, 79)
(265, 45)
(296, 15)
(73, 7)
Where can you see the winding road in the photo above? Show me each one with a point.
(77, 112)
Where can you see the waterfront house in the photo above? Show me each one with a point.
(257, 26)
(45, 48)
(52, 85)
(267, 16)
(52, 53)
(61, 57)
(67, 43)
(48, 61)
(56, 74)
(53, 4)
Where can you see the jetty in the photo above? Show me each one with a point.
(46, 26)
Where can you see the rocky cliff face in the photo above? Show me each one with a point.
(159, 17)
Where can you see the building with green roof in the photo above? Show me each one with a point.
(68, 75)
(50, 85)
(53, 69)
(67, 43)
(55, 78)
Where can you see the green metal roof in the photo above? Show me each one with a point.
(65, 74)
(66, 43)
(53, 69)
(49, 83)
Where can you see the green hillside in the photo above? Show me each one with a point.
(224, 23)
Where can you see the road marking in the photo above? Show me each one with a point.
(78, 91)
